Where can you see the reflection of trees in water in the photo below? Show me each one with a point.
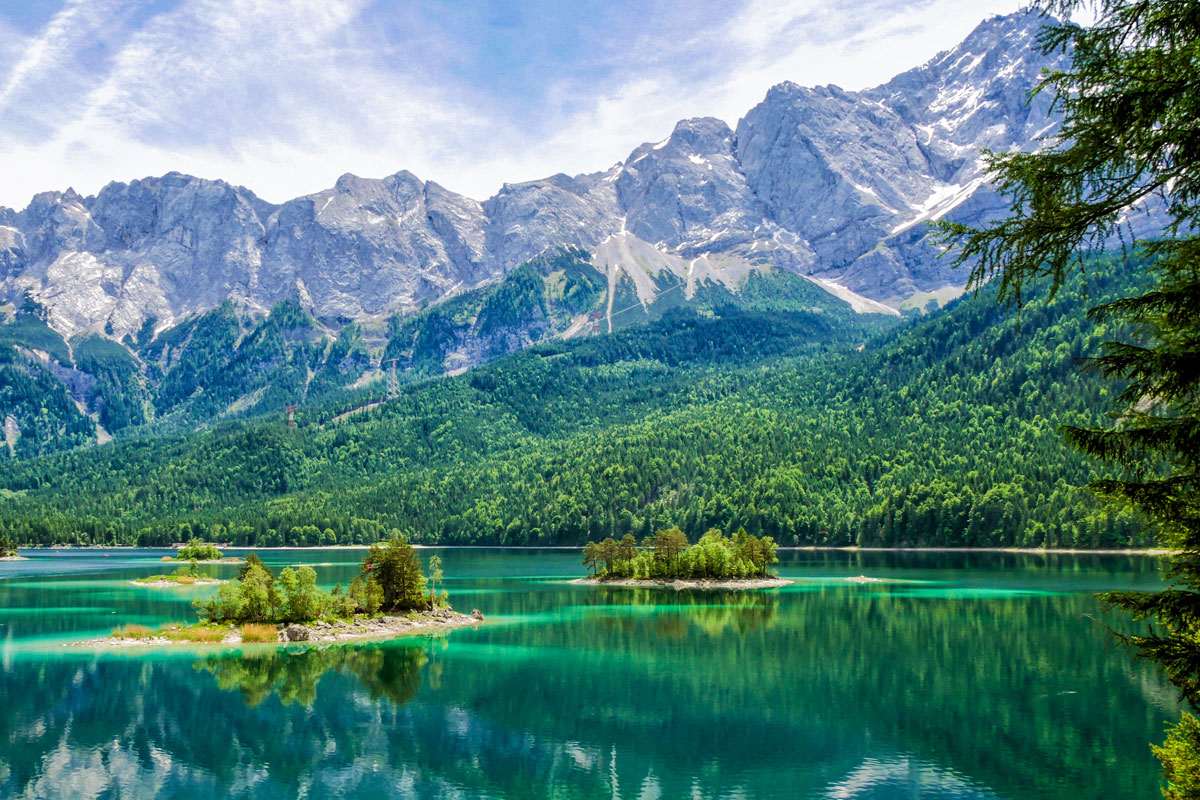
(684, 612)
(1040, 568)
(292, 675)
(843, 671)
(60, 719)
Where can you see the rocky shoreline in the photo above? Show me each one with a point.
(166, 584)
(679, 584)
(385, 627)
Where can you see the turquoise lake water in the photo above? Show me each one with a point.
(957, 676)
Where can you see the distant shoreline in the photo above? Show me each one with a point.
(1032, 551)
(1029, 551)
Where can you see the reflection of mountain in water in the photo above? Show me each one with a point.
(387, 674)
(903, 776)
(854, 692)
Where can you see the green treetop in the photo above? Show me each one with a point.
(197, 550)
(394, 565)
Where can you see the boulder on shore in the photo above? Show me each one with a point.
(297, 633)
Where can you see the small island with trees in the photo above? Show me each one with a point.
(197, 551)
(194, 553)
(8, 550)
(391, 596)
(716, 561)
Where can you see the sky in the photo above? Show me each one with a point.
(283, 96)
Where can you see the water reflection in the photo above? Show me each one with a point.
(679, 614)
(830, 690)
(392, 674)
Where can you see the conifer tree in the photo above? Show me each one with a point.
(1129, 146)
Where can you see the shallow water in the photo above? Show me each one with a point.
(957, 676)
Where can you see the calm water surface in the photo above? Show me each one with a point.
(960, 676)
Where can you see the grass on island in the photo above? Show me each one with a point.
(133, 632)
(667, 556)
(184, 576)
(259, 632)
(199, 632)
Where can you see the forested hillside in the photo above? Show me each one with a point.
(943, 432)
(237, 362)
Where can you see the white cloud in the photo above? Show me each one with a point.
(285, 96)
(67, 29)
(806, 41)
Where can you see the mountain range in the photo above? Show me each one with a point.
(821, 182)
(185, 298)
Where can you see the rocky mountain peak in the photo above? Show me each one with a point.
(835, 184)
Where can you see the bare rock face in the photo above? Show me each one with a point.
(369, 247)
(824, 182)
(528, 219)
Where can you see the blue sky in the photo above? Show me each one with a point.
(283, 96)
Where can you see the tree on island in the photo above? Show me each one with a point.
(197, 550)
(7, 548)
(394, 565)
(1130, 102)
(668, 545)
(667, 556)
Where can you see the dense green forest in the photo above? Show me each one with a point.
(221, 364)
(945, 431)
(235, 362)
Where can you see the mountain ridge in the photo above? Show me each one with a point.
(822, 182)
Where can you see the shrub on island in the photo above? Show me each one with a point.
(7, 548)
(667, 556)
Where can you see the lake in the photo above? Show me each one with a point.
(960, 675)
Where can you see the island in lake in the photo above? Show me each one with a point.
(8, 550)
(187, 576)
(201, 552)
(391, 596)
(666, 559)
